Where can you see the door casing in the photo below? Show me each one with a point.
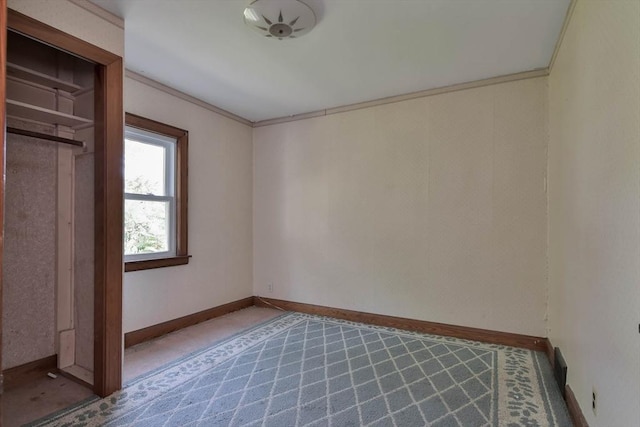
(109, 118)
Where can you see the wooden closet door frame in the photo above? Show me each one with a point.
(3, 82)
(109, 118)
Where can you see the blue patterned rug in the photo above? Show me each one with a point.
(307, 370)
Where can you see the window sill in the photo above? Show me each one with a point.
(156, 263)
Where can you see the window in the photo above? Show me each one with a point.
(155, 194)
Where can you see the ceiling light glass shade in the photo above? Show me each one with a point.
(280, 19)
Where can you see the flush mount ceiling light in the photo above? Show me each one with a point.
(280, 19)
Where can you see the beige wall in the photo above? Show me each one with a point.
(220, 211)
(594, 208)
(431, 209)
(74, 20)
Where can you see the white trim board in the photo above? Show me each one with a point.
(565, 24)
(99, 12)
(340, 109)
(413, 95)
(178, 94)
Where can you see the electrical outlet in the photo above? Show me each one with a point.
(270, 287)
(593, 400)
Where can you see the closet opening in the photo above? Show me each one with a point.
(61, 281)
(48, 279)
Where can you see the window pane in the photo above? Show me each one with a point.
(144, 168)
(146, 226)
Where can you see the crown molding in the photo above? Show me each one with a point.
(413, 95)
(341, 109)
(99, 12)
(565, 25)
(178, 94)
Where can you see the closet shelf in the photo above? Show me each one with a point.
(40, 78)
(32, 112)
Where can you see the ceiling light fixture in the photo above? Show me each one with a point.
(280, 19)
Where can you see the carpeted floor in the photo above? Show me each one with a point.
(299, 369)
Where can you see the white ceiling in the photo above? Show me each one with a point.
(360, 50)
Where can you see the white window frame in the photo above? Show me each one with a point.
(169, 144)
